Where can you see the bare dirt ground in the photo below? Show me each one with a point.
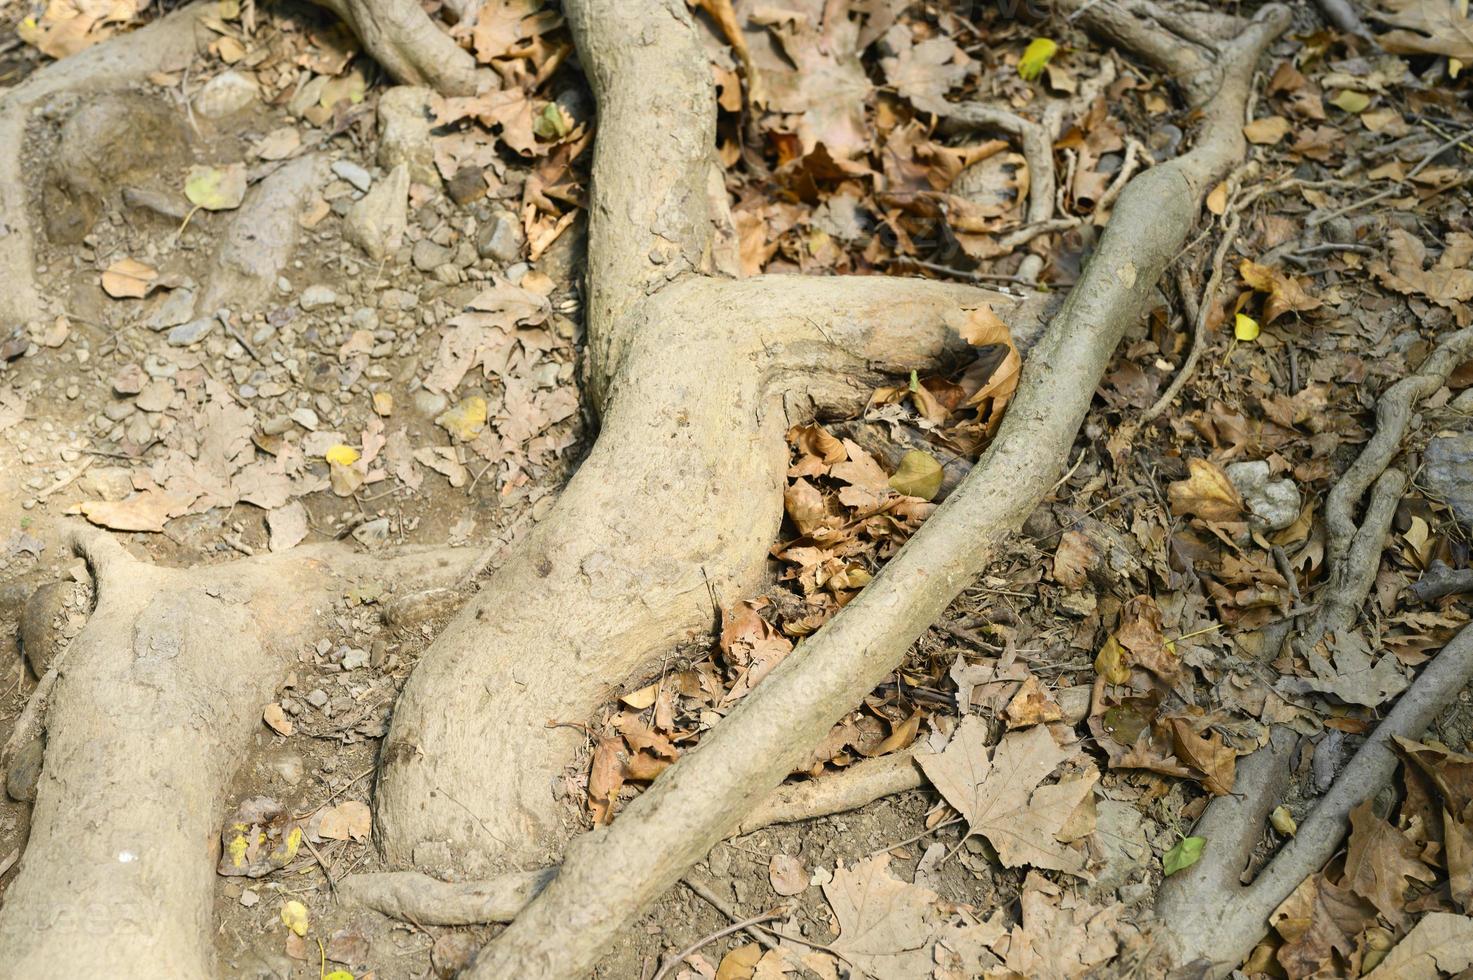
(201, 439)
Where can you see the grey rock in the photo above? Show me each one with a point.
(364, 318)
(429, 403)
(1463, 404)
(315, 297)
(317, 697)
(500, 238)
(1274, 504)
(353, 658)
(192, 332)
(376, 223)
(397, 299)
(177, 308)
(1449, 472)
(372, 534)
(427, 256)
(404, 133)
(306, 418)
(226, 94)
(25, 771)
(353, 174)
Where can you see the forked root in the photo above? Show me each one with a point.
(1209, 918)
(152, 706)
(408, 44)
(703, 796)
(422, 899)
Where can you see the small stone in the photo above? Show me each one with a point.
(317, 697)
(353, 174)
(376, 223)
(404, 119)
(372, 534)
(316, 296)
(177, 308)
(501, 238)
(192, 332)
(364, 318)
(467, 186)
(248, 898)
(129, 381)
(1274, 504)
(427, 256)
(355, 658)
(306, 418)
(226, 94)
(429, 403)
(111, 483)
(156, 395)
(397, 299)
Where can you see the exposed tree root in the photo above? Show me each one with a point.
(149, 715)
(409, 45)
(166, 44)
(1208, 917)
(1211, 920)
(704, 795)
(417, 897)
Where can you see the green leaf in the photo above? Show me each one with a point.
(1186, 853)
(1035, 57)
(216, 188)
(550, 124)
(919, 475)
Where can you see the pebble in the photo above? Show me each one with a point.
(376, 223)
(500, 238)
(226, 94)
(192, 332)
(316, 296)
(429, 403)
(1274, 504)
(317, 697)
(354, 658)
(353, 174)
(372, 533)
(427, 256)
(306, 418)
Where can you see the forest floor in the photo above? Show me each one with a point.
(422, 387)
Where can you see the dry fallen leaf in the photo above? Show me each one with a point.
(1285, 294)
(1000, 795)
(129, 279)
(1267, 130)
(1440, 944)
(1206, 493)
(277, 718)
(787, 874)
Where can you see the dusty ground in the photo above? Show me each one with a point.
(107, 400)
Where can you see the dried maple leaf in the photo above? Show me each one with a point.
(1032, 705)
(1441, 943)
(1140, 634)
(1317, 921)
(1435, 27)
(1448, 282)
(1354, 678)
(1285, 294)
(1379, 861)
(1062, 936)
(923, 72)
(1073, 559)
(1206, 493)
(1001, 798)
(886, 926)
(1216, 761)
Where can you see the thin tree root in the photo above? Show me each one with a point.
(703, 796)
(416, 897)
(1209, 919)
(1199, 324)
(1038, 151)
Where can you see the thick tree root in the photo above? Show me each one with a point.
(150, 714)
(1210, 920)
(409, 45)
(1206, 913)
(673, 512)
(419, 898)
(164, 45)
(704, 795)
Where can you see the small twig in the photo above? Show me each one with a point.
(713, 900)
(67, 480)
(1199, 329)
(1319, 219)
(675, 961)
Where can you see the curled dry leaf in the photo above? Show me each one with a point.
(1206, 493)
(277, 718)
(1032, 705)
(1073, 559)
(787, 874)
(1285, 294)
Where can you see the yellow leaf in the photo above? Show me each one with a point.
(642, 698)
(1351, 101)
(1110, 662)
(294, 917)
(1245, 328)
(1283, 821)
(919, 475)
(466, 419)
(383, 403)
(1269, 129)
(1035, 57)
(341, 455)
(338, 975)
(216, 188)
(1217, 199)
